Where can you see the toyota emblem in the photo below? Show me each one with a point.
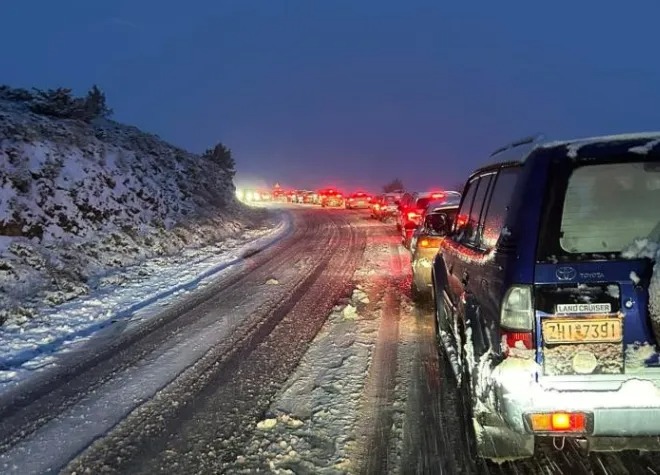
(566, 273)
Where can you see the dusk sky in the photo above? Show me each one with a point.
(348, 92)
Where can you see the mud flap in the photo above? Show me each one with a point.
(501, 444)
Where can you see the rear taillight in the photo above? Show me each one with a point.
(558, 422)
(429, 242)
(338, 195)
(519, 340)
(415, 215)
(376, 206)
(517, 318)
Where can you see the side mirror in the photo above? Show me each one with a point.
(440, 224)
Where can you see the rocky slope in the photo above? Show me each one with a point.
(80, 200)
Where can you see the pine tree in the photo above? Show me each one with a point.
(95, 104)
(221, 155)
(394, 185)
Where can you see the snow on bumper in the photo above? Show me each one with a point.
(628, 408)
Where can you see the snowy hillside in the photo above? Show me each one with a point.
(79, 199)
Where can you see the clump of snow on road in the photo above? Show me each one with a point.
(310, 425)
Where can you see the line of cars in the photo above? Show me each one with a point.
(544, 280)
(327, 197)
(422, 219)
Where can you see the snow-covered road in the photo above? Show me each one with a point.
(309, 357)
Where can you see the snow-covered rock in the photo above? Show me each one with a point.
(78, 200)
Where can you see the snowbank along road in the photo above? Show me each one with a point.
(310, 358)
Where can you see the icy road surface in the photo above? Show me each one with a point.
(310, 358)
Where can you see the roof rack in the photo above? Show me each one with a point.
(530, 140)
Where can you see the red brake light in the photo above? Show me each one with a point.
(437, 196)
(338, 195)
(558, 422)
(461, 220)
(412, 215)
(512, 339)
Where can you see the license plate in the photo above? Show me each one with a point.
(582, 330)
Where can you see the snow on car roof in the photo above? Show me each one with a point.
(441, 206)
(574, 145)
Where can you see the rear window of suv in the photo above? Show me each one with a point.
(608, 205)
(422, 203)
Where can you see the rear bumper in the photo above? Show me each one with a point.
(627, 408)
(386, 213)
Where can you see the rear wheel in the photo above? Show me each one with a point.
(486, 436)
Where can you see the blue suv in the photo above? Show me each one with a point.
(547, 300)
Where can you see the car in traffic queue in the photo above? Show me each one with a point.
(546, 295)
(323, 193)
(425, 243)
(358, 200)
(331, 198)
(308, 197)
(279, 196)
(297, 196)
(412, 208)
(386, 207)
(374, 206)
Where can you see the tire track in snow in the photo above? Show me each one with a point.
(377, 410)
(215, 419)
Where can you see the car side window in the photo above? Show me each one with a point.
(474, 225)
(460, 223)
(499, 206)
